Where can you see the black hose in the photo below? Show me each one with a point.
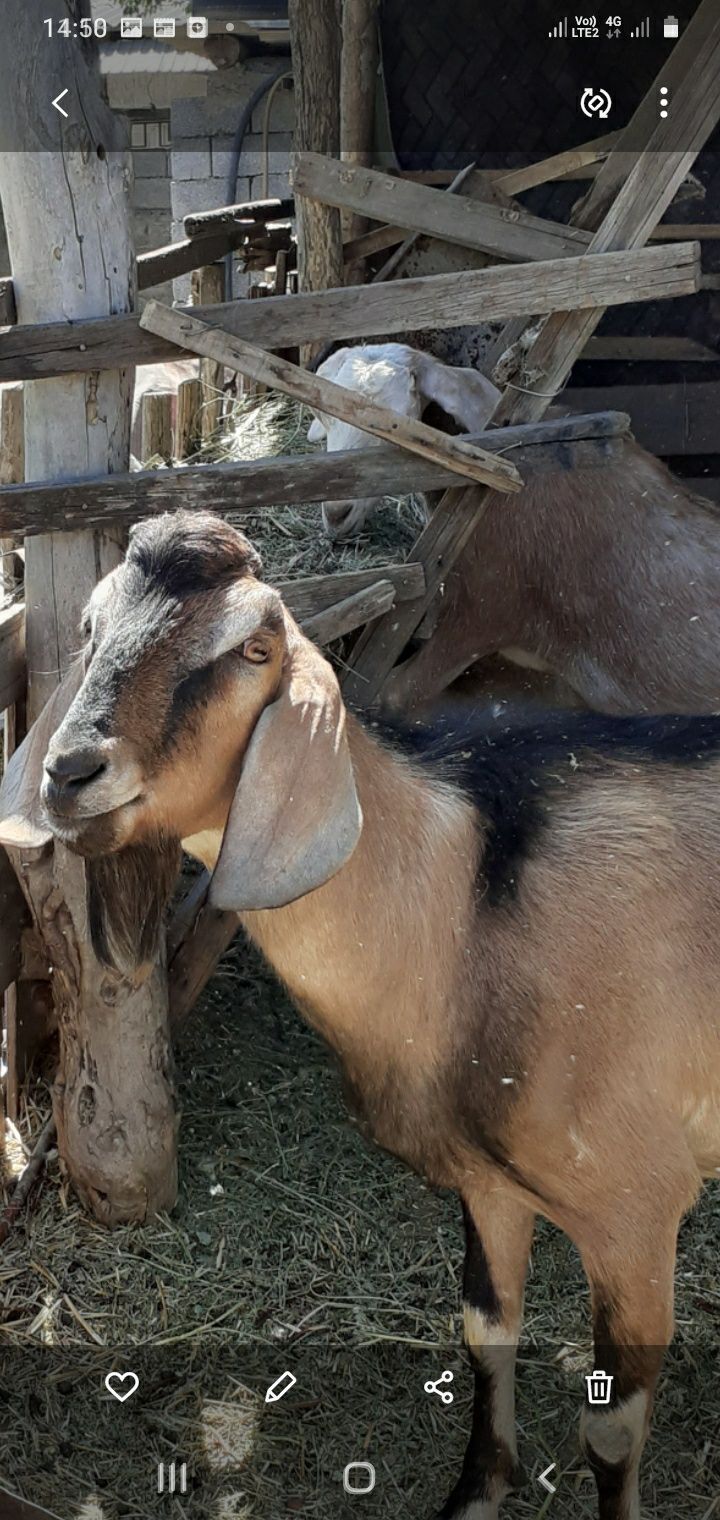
(238, 140)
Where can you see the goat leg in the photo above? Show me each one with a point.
(498, 1234)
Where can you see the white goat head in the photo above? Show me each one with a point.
(407, 381)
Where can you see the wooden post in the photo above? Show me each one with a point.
(208, 289)
(156, 426)
(12, 472)
(70, 177)
(188, 415)
(358, 80)
(315, 34)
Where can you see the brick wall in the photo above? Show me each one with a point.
(202, 134)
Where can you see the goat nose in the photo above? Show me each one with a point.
(75, 767)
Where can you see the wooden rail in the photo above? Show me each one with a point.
(251, 484)
(36, 352)
(508, 234)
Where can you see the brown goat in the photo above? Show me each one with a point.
(511, 939)
(608, 578)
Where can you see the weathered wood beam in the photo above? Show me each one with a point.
(324, 395)
(13, 672)
(202, 223)
(14, 916)
(251, 484)
(358, 81)
(113, 1099)
(452, 300)
(8, 314)
(190, 253)
(515, 235)
(315, 43)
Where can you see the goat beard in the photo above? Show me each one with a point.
(127, 894)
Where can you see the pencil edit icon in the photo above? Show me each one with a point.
(280, 1387)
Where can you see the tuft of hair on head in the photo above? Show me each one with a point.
(127, 894)
(182, 552)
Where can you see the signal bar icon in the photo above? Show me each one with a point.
(561, 30)
(643, 30)
(176, 1480)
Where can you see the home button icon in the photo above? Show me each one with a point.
(359, 1478)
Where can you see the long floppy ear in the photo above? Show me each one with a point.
(295, 818)
(465, 394)
(21, 818)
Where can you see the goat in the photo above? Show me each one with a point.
(511, 939)
(608, 578)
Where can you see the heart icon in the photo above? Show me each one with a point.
(122, 1385)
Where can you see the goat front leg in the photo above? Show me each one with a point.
(632, 1302)
(498, 1234)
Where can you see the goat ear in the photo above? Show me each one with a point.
(21, 819)
(295, 818)
(316, 431)
(469, 397)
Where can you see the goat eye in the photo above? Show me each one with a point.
(255, 651)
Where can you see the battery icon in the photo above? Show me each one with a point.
(671, 26)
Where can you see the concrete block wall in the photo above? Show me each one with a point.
(202, 133)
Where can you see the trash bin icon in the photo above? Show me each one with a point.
(599, 1387)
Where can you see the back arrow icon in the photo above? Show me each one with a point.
(57, 105)
(544, 1478)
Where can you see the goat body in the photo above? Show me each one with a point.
(509, 935)
(609, 578)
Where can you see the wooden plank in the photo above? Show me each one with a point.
(324, 395)
(180, 258)
(202, 223)
(513, 235)
(451, 300)
(666, 419)
(356, 610)
(251, 484)
(156, 426)
(208, 289)
(559, 166)
(188, 418)
(14, 916)
(13, 673)
(8, 314)
(310, 596)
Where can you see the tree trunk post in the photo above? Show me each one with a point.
(357, 106)
(315, 37)
(65, 190)
(208, 289)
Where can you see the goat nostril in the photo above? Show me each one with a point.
(75, 770)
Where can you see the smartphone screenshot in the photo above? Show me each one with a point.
(360, 767)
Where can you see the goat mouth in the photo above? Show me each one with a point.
(90, 833)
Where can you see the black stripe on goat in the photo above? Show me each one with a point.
(514, 772)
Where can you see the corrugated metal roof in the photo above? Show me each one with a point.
(151, 58)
